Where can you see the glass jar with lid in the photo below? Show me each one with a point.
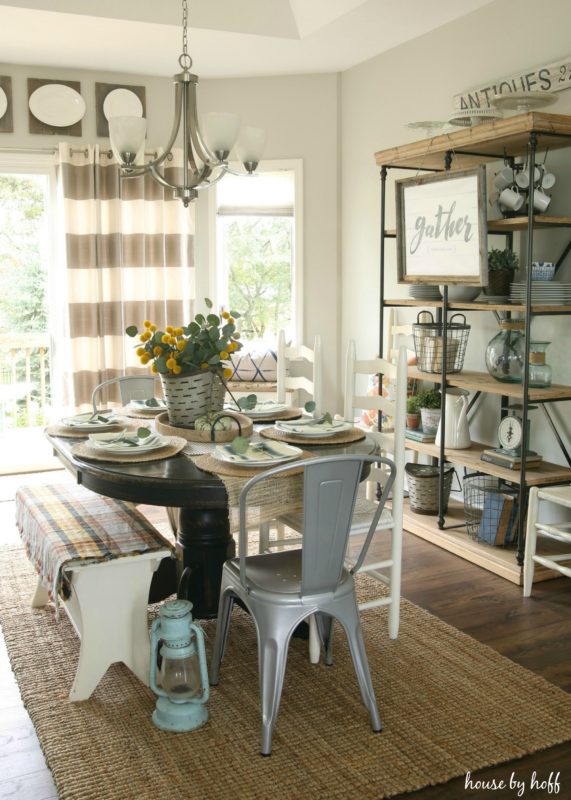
(539, 370)
(505, 353)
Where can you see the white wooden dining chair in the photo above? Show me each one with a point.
(385, 570)
(538, 529)
(295, 355)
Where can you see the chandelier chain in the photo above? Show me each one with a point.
(185, 60)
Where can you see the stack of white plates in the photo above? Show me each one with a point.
(545, 293)
(420, 291)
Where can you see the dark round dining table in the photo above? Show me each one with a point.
(203, 538)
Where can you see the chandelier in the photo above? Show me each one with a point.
(205, 157)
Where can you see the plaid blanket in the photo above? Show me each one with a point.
(60, 524)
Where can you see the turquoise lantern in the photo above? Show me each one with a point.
(182, 681)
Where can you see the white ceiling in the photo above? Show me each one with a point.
(227, 38)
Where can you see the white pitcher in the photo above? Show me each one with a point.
(457, 435)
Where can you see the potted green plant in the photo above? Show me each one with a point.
(429, 401)
(502, 266)
(412, 412)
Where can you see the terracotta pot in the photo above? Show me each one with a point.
(412, 421)
(192, 396)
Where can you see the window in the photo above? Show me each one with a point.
(258, 264)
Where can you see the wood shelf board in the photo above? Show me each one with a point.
(522, 223)
(483, 382)
(478, 306)
(490, 140)
(543, 475)
(498, 560)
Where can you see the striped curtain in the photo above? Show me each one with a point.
(129, 254)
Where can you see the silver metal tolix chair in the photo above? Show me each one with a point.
(283, 588)
(131, 387)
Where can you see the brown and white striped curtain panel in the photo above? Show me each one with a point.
(129, 250)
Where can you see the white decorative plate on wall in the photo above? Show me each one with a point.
(56, 104)
(122, 103)
(3, 102)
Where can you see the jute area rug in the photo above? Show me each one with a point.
(448, 703)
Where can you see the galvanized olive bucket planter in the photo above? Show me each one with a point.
(192, 396)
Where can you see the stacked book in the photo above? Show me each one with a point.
(503, 458)
(418, 435)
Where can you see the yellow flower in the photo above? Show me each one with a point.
(154, 369)
(231, 319)
(181, 345)
(177, 369)
(171, 363)
(178, 331)
(204, 365)
(165, 338)
(145, 336)
(158, 351)
(169, 329)
(152, 328)
(225, 315)
(145, 358)
(223, 355)
(232, 346)
(140, 350)
(172, 341)
(228, 372)
(147, 323)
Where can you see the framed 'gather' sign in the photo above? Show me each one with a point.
(441, 228)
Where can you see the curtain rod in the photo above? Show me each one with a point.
(53, 150)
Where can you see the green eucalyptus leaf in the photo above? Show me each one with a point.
(132, 330)
(208, 302)
(152, 402)
(212, 319)
(310, 406)
(142, 433)
(327, 418)
(248, 402)
(235, 314)
(200, 319)
(240, 444)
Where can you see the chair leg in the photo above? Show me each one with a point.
(325, 627)
(264, 542)
(530, 542)
(40, 598)
(314, 640)
(349, 619)
(225, 606)
(395, 585)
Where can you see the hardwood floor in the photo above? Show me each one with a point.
(534, 632)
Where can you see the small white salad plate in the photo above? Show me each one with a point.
(154, 406)
(260, 455)
(126, 442)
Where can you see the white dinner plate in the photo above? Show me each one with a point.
(264, 456)
(57, 105)
(313, 429)
(3, 102)
(83, 422)
(109, 443)
(122, 103)
(263, 409)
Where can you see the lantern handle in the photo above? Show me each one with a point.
(155, 638)
(200, 646)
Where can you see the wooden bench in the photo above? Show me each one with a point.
(97, 556)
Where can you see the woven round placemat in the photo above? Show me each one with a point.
(343, 437)
(140, 413)
(163, 426)
(449, 704)
(85, 450)
(67, 432)
(225, 468)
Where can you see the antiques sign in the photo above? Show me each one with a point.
(441, 228)
(549, 78)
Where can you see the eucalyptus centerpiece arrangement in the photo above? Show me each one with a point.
(191, 360)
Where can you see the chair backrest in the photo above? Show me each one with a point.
(131, 387)
(288, 355)
(330, 486)
(394, 406)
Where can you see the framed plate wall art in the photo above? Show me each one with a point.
(442, 228)
(6, 115)
(55, 107)
(117, 100)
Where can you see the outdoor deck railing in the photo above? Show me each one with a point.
(22, 377)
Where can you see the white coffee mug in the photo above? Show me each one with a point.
(548, 180)
(512, 199)
(541, 200)
(522, 177)
(504, 178)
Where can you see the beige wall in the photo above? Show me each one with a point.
(301, 117)
(417, 81)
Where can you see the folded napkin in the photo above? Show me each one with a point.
(264, 453)
(124, 442)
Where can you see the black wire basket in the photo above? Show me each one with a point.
(429, 344)
(491, 510)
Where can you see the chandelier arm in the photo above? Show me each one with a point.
(196, 143)
(160, 178)
(223, 171)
